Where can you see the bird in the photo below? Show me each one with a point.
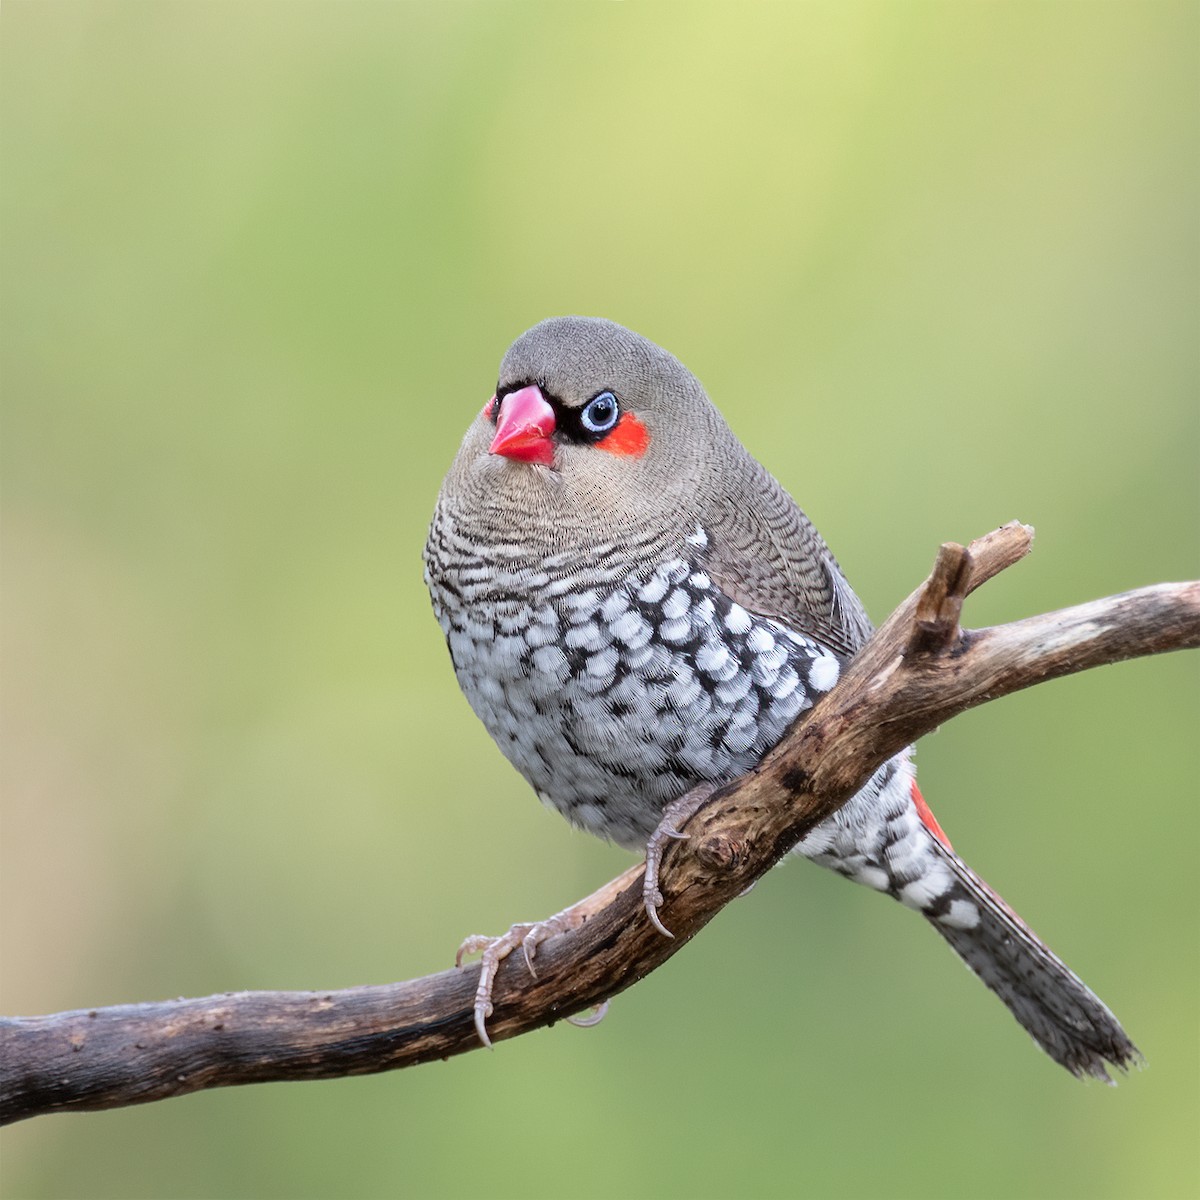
(637, 611)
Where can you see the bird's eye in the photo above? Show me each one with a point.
(600, 413)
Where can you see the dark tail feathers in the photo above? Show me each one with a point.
(1059, 1012)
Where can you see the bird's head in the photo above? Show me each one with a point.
(592, 424)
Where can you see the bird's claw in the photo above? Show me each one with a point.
(675, 814)
(653, 901)
(472, 945)
(528, 936)
(598, 1013)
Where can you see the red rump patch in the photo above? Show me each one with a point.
(630, 438)
(927, 818)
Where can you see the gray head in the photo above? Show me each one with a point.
(592, 426)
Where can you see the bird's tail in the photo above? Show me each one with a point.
(1056, 1008)
(886, 838)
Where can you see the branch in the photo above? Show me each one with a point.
(918, 670)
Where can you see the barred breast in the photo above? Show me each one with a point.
(614, 692)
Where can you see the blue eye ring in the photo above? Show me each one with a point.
(601, 413)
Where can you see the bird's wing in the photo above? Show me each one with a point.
(767, 555)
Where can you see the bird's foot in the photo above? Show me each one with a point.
(527, 937)
(677, 813)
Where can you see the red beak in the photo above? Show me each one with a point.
(524, 427)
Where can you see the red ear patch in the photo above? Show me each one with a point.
(629, 439)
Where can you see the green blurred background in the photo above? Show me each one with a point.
(937, 263)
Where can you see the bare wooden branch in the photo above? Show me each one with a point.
(919, 670)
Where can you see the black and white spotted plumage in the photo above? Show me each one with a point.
(628, 626)
(614, 700)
